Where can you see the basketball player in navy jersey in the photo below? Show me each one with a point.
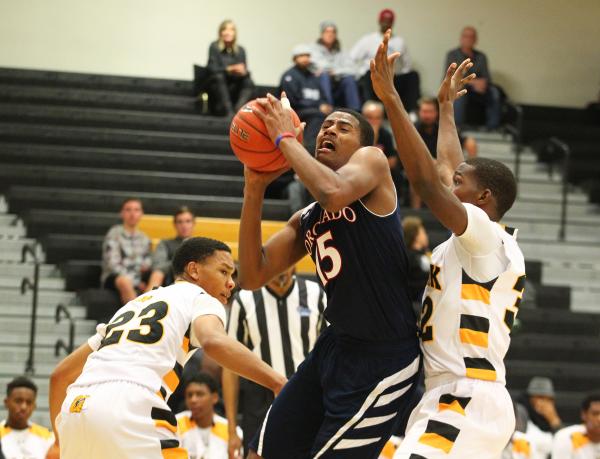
(347, 395)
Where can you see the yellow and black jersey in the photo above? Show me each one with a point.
(472, 297)
(30, 443)
(149, 339)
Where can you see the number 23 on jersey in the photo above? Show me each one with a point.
(150, 329)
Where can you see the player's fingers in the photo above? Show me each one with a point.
(392, 57)
(464, 65)
(450, 71)
(261, 111)
(468, 78)
(300, 129)
(459, 94)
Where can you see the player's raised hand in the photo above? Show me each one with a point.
(453, 85)
(382, 69)
(276, 118)
(261, 179)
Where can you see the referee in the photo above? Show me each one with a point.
(280, 323)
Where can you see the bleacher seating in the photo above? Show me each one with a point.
(73, 146)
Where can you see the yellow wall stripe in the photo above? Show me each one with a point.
(475, 292)
(473, 337)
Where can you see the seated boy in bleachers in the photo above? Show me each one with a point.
(126, 255)
(19, 437)
(203, 433)
(183, 221)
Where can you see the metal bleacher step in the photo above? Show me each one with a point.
(46, 311)
(110, 137)
(21, 325)
(126, 100)
(11, 249)
(7, 220)
(112, 118)
(27, 197)
(18, 269)
(45, 297)
(119, 158)
(118, 179)
(45, 283)
(568, 251)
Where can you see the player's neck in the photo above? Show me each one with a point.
(130, 229)
(16, 425)
(204, 421)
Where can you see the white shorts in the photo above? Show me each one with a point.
(465, 418)
(117, 420)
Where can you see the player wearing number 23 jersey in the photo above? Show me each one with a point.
(117, 406)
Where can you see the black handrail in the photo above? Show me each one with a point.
(566, 155)
(516, 130)
(63, 312)
(26, 283)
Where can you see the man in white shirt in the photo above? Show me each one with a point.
(406, 80)
(581, 441)
(20, 438)
(203, 433)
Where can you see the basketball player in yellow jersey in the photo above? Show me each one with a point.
(475, 284)
(116, 408)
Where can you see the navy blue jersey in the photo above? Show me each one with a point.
(363, 265)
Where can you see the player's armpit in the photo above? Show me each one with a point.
(365, 171)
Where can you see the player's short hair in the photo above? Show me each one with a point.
(21, 381)
(367, 136)
(195, 249)
(499, 179)
(587, 402)
(183, 210)
(411, 226)
(130, 199)
(202, 378)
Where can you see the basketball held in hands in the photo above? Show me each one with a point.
(251, 143)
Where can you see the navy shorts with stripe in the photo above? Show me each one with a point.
(343, 401)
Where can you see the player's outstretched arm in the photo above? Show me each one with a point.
(449, 149)
(420, 167)
(233, 355)
(258, 264)
(65, 373)
(332, 189)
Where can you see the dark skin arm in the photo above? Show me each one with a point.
(420, 168)
(360, 177)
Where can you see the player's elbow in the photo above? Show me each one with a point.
(247, 281)
(213, 344)
(330, 199)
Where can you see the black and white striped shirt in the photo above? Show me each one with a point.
(280, 330)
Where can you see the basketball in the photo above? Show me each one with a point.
(251, 143)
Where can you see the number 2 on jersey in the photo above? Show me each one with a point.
(323, 252)
(426, 331)
(150, 316)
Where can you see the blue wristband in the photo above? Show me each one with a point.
(283, 135)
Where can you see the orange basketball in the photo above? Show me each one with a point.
(251, 143)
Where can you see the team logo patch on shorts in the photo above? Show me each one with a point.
(78, 402)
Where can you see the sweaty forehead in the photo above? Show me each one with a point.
(342, 117)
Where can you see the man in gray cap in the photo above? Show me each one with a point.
(544, 420)
(304, 92)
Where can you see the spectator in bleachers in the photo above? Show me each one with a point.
(335, 69)
(581, 441)
(203, 433)
(417, 245)
(428, 126)
(21, 439)
(126, 255)
(280, 322)
(406, 80)
(304, 92)
(544, 421)
(480, 90)
(374, 113)
(162, 273)
(230, 83)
